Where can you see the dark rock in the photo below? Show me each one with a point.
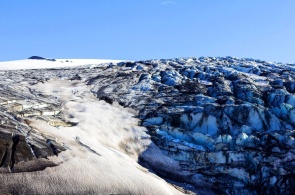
(52, 60)
(36, 58)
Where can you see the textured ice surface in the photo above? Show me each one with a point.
(212, 118)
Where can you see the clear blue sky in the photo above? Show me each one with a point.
(147, 29)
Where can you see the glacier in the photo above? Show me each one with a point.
(222, 124)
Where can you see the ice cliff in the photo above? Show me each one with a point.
(229, 122)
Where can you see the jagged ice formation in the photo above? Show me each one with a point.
(229, 122)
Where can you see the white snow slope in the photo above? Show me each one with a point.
(58, 63)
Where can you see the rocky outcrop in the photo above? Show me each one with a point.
(36, 58)
(18, 141)
(40, 58)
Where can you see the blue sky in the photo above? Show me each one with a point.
(147, 29)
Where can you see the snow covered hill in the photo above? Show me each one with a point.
(51, 63)
(208, 125)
